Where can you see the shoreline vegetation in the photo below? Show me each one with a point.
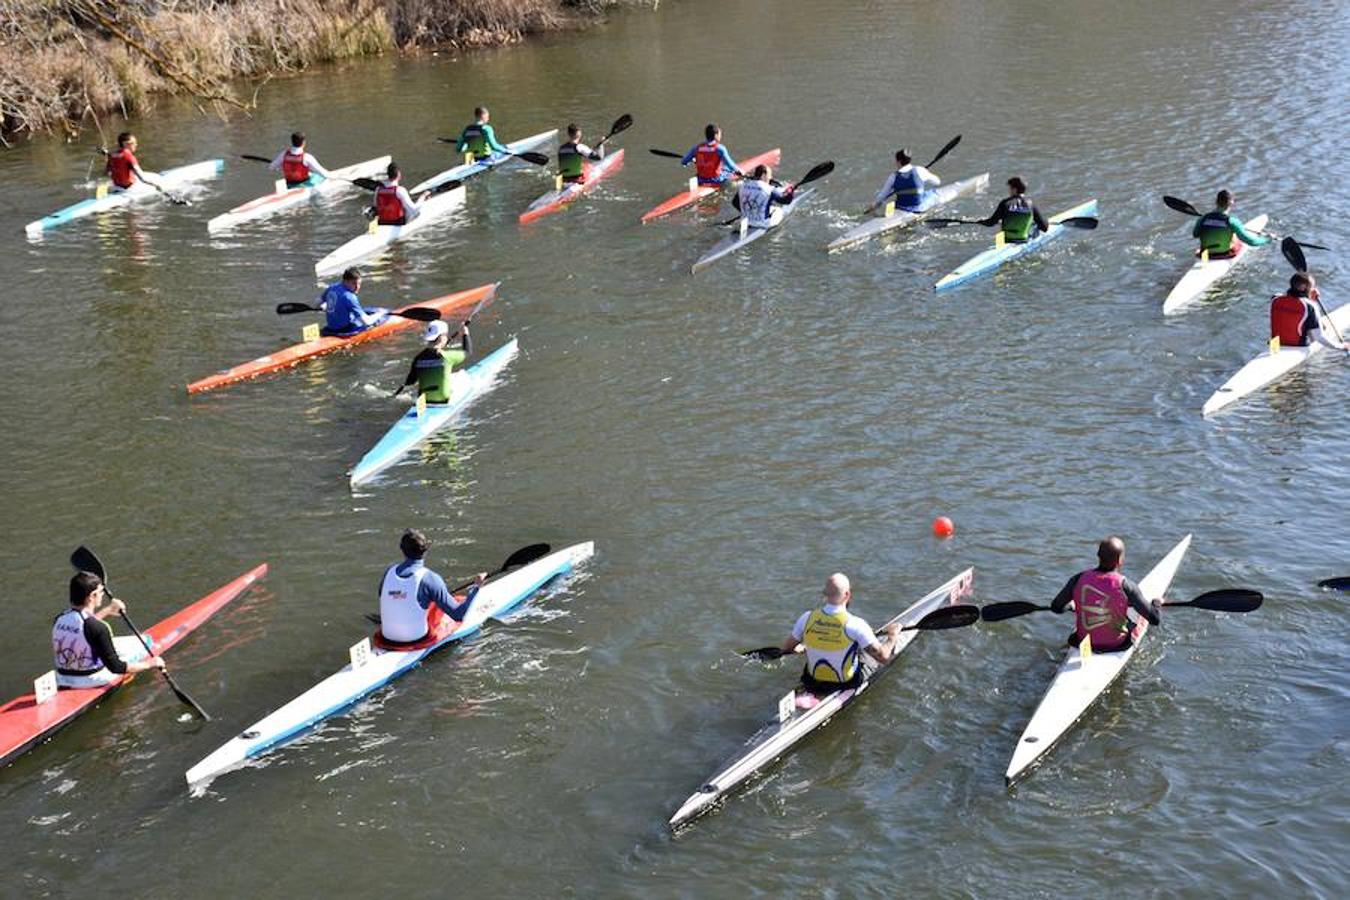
(64, 63)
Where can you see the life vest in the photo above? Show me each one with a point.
(71, 653)
(1018, 219)
(831, 655)
(571, 164)
(757, 203)
(433, 369)
(1291, 318)
(1216, 234)
(120, 168)
(908, 189)
(708, 161)
(474, 139)
(1100, 609)
(388, 207)
(402, 619)
(293, 167)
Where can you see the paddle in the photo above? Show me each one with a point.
(84, 559)
(1182, 206)
(522, 557)
(1085, 223)
(1293, 251)
(420, 313)
(818, 171)
(464, 324)
(529, 156)
(1336, 584)
(938, 620)
(622, 123)
(667, 153)
(941, 153)
(175, 199)
(368, 184)
(1237, 600)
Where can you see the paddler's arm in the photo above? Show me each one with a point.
(886, 191)
(410, 380)
(1065, 595)
(1254, 240)
(928, 177)
(410, 210)
(728, 161)
(492, 142)
(99, 637)
(463, 144)
(883, 650)
(465, 341)
(436, 592)
(689, 157)
(1036, 214)
(1138, 603)
(275, 164)
(997, 216)
(313, 165)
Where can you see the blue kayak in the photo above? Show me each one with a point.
(994, 257)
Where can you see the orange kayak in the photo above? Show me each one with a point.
(297, 353)
(686, 197)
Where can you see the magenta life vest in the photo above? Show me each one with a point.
(1100, 609)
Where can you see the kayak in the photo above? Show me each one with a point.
(411, 429)
(1270, 367)
(1078, 683)
(556, 200)
(345, 687)
(736, 240)
(106, 199)
(378, 237)
(298, 353)
(285, 198)
(783, 733)
(697, 192)
(1206, 272)
(994, 257)
(902, 218)
(24, 723)
(468, 170)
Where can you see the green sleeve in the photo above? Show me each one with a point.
(453, 358)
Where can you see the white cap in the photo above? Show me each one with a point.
(435, 331)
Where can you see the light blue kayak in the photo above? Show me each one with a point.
(468, 170)
(412, 429)
(169, 178)
(994, 257)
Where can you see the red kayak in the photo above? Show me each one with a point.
(297, 353)
(556, 200)
(688, 196)
(24, 723)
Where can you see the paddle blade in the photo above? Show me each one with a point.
(261, 159)
(948, 617)
(420, 313)
(1294, 253)
(290, 308)
(997, 612)
(947, 223)
(764, 654)
(1086, 223)
(84, 559)
(538, 159)
(944, 151)
(1180, 206)
(369, 184)
(525, 555)
(819, 170)
(666, 153)
(439, 189)
(1237, 600)
(622, 123)
(1336, 584)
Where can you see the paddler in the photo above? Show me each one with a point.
(86, 653)
(431, 368)
(122, 167)
(711, 160)
(393, 204)
(1294, 317)
(346, 315)
(909, 184)
(759, 195)
(573, 156)
(1102, 600)
(413, 598)
(296, 165)
(1217, 229)
(830, 636)
(1016, 213)
(478, 137)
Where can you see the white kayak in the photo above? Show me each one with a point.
(1270, 367)
(902, 218)
(286, 198)
(469, 169)
(106, 198)
(739, 239)
(794, 723)
(412, 429)
(1078, 683)
(1201, 276)
(345, 687)
(379, 237)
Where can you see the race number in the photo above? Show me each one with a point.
(1275, 345)
(421, 406)
(44, 688)
(787, 706)
(890, 209)
(281, 185)
(360, 653)
(310, 332)
(693, 185)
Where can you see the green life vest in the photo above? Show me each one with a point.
(571, 164)
(1216, 233)
(474, 140)
(433, 373)
(1018, 219)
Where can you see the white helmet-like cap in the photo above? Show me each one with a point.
(435, 331)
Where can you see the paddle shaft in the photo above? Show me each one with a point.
(895, 192)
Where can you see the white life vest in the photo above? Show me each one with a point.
(402, 620)
(756, 205)
(71, 653)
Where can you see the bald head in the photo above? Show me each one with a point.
(1109, 553)
(837, 591)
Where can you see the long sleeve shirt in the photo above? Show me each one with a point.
(1002, 211)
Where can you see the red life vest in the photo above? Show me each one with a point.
(119, 168)
(1099, 609)
(708, 161)
(293, 167)
(1291, 318)
(388, 208)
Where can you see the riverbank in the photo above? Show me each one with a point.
(65, 63)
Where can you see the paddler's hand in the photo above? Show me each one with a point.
(116, 606)
(157, 662)
(421, 199)
(892, 630)
(479, 579)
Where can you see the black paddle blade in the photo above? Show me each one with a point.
(1086, 223)
(819, 170)
(1180, 206)
(946, 223)
(997, 612)
(944, 151)
(290, 308)
(538, 159)
(666, 153)
(525, 555)
(1307, 246)
(84, 559)
(948, 617)
(622, 123)
(764, 654)
(1335, 584)
(1294, 253)
(261, 159)
(439, 189)
(369, 184)
(420, 313)
(1238, 600)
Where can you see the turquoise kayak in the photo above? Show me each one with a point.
(994, 257)
(412, 429)
(106, 199)
(468, 170)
